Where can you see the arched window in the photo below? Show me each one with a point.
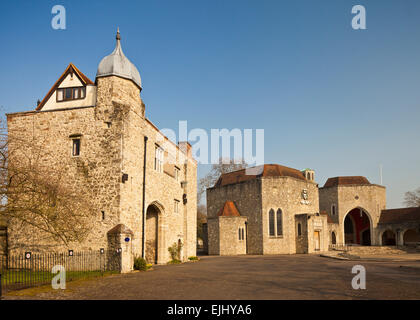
(271, 224)
(279, 223)
(243, 235)
(333, 239)
(299, 229)
(239, 233)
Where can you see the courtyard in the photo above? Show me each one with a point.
(247, 278)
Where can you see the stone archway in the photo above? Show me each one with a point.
(411, 237)
(152, 233)
(333, 238)
(357, 227)
(389, 238)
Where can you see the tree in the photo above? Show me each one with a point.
(412, 198)
(38, 195)
(224, 166)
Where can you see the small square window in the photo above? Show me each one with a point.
(76, 147)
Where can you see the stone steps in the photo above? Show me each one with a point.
(379, 250)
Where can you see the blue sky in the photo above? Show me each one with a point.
(330, 98)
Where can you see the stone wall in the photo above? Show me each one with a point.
(247, 199)
(45, 137)
(285, 193)
(213, 236)
(112, 144)
(370, 198)
(229, 227)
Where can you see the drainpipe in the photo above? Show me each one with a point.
(144, 199)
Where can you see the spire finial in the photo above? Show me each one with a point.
(118, 34)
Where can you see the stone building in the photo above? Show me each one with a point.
(284, 211)
(142, 184)
(279, 212)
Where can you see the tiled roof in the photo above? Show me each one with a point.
(267, 170)
(350, 180)
(400, 215)
(228, 210)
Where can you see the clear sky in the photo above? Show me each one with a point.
(330, 98)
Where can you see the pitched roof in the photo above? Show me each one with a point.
(71, 68)
(400, 215)
(120, 229)
(228, 210)
(267, 170)
(349, 180)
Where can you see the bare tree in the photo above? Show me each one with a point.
(224, 166)
(37, 194)
(412, 198)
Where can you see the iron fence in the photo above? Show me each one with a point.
(34, 269)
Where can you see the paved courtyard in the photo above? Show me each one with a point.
(249, 277)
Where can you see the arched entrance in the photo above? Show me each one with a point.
(411, 237)
(152, 233)
(357, 227)
(333, 238)
(388, 238)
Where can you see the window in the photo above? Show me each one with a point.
(76, 148)
(333, 239)
(103, 215)
(275, 223)
(333, 209)
(299, 229)
(279, 223)
(241, 234)
(271, 224)
(60, 95)
(176, 173)
(176, 206)
(158, 159)
(73, 93)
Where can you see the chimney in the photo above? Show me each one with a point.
(186, 148)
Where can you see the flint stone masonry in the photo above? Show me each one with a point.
(112, 144)
(254, 199)
(370, 198)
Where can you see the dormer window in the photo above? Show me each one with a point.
(74, 93)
